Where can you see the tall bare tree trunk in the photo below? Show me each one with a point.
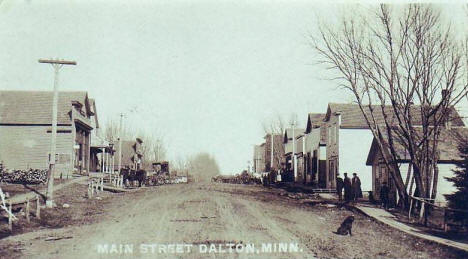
(435, 181)
(408, 176)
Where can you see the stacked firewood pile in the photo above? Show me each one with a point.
(31, 176)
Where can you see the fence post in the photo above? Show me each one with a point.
(410, 208)
(421, 211)
(38, 207)
(102, 184)
(445, 220)
(90, 189)
(10, 217)
(27, 211)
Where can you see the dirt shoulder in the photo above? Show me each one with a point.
(205, 214)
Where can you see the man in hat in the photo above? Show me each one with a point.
(356, 184)
(339, 186)
(348, 190)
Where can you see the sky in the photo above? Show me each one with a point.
(203, 74)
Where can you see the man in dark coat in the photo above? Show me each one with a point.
(356, 184)
(339, 187)
(384, 190)
(348, 190)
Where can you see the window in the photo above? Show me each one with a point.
(314, 162)
(332, 134)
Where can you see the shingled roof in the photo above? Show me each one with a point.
(288, 133)
(315, 120)
(35, 107)
(352, 117)
(447, 147)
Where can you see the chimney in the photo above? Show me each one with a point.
(339, 118)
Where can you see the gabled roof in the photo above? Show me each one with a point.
(352, 117)
(314, 120)
(447, 146)
(288, 133)
(92, 104)
(275, 135)
(35, 107)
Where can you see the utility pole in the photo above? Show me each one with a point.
(120, 143)
(57, 65)
(293, 124)
(271, 152)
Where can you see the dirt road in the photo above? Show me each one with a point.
(219, 220)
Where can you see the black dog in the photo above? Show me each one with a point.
(346, 226)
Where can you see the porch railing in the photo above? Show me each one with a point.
(437, 216)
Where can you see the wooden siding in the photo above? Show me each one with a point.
(24, 147)
(333, 139)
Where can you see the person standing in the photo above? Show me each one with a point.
(339, 187)
(348, 195)
(384, 190)
(356, 184)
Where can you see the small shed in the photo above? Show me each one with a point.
(449, 157)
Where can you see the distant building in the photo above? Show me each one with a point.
(277, 154)
(26, 126)
(315, 151)
(290, 136)
(259, 158)
(132, 155)
(301, 159)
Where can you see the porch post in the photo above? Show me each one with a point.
(102, 160)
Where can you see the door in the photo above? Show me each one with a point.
(331, 173)
(322, 174)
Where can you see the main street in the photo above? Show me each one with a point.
(199, 220)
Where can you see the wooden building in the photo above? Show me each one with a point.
(289, 137)
(449, 156)
(259, 158)
(274, 142)
(132, 154)
(102, 151)
(26, 126)
(315, 151)
(349, 139)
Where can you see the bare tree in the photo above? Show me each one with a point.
(181, 164)
(276, 127)
(112, 131)
(412, 68)
(202, 167)
(153, 148)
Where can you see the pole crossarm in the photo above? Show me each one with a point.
(56, 61)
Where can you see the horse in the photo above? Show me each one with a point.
(130, 176)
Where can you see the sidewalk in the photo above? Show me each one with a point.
(390, 220)
(299, 187)
(31, 195)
